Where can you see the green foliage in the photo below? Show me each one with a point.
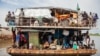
(96, 34)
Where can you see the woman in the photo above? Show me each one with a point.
(22, 40)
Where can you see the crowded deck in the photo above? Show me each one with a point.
(51, 31)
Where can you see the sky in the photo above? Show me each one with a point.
(85, 5)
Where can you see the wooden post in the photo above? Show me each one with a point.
(28, 41)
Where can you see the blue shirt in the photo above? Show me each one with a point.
(17, 37)
(11, 23)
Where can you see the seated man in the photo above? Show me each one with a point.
(73, 21)
(46, 45)
(53, 46)
(65, 44)
(55, 20)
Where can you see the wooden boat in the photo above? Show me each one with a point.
(67, 52)
(25, 24)
(45, 52)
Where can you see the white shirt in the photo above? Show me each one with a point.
(36, 23)
(65, 32)
(55, 19)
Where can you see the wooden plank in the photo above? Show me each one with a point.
(51, 27)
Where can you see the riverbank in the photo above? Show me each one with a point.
(94, 34)
(5, 43)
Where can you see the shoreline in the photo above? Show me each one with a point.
(5, 43)
(94, 35)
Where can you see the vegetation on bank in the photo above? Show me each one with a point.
(95, 34)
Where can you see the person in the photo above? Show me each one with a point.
(85, 21)
(80, 19)
(84, 40)
(50, 37)
(12, 19)
(8, 18)
(46, 45)
(65, 39)
(80, 39)
(87, 39)
(72, 21)
(22, 41)
(17, 39)
(65, 44)
(64, 22)
(95, 17)
(55, 20)
(13, 15)
(36, 23)
(58, 35)
(53, 45)
(31, 46)
(92, 44)
(13, 34)
(21, 16)
(75, 46)
(21, 13)
(71, 42)
(90, 18)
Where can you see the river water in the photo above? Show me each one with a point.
(97, 43)
(95, 38)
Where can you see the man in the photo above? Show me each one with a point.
(72, 21)
(21, 16)
(17, 39)
(21, 13)
(8, 18)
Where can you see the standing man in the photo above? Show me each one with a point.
(21, 16)
(8, 17)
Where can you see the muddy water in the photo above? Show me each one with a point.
(3, 45)
(97, 43)
(3, 52)
(8, 43)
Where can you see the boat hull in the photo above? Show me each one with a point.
(67, 52)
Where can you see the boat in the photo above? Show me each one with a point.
(44, 24)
